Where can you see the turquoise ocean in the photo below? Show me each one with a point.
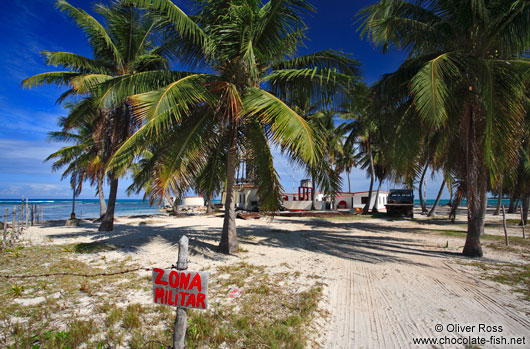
(84, 208)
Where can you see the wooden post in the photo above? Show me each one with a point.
(27, 218)
(41, 215)
(181, 318)
(32, 215)
(14, 226)
(20, 217)
(504, 225)
(522, 223)
(4, 242)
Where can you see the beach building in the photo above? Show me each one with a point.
(358, 200)
(193, 201)
(246, 198)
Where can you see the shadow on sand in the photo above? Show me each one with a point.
(359, 240)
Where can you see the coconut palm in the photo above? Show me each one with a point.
(464, 74)
(123, 44)
(238, 100)
(84, 158)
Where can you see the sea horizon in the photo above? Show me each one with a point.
(54, 209)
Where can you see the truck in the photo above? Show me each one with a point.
(400, 203)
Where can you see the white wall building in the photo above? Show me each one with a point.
(246, 198)
(359, 199)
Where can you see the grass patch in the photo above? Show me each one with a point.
(267, 314)
(515, 275)
(513, 240)
(346, 218)
(92, 247)
(95, 312)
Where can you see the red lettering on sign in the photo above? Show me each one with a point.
(196, 282)
(191, 300)
(158, 279)
(184, 280)
(200, 300)
(183, 297)
(159, 294)
(174, 279)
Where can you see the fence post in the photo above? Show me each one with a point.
(4, 242)
(181, 318)
(27, 207)
(14, 225)
(504, 226)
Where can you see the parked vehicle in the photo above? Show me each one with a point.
(400, 203)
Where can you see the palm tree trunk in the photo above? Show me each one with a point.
(366, 208)
(209, 210)
(313, 198)
(375, 210)
(499, 201)
(420, 190)
(175, 205)
(107, 223)
(101, 193)
(525, 206)
(349, 184)
(511, 206)
(229, 243)
(72, 215)
(450, 187)
(476, 183)
(432, 212)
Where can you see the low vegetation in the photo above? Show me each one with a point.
(111, 311)
(515, 275)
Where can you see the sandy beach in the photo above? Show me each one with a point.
(385, 282)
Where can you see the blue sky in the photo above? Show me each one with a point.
(26, 116)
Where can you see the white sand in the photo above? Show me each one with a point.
(385, 285)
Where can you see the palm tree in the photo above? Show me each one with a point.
(463, 74)
(239, 99)
(83, 158)
(122, 46)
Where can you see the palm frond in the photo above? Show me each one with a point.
(287, 127)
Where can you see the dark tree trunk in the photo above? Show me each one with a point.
(313, 198)
(209, 209)
(499, 201)
(375, 210)
(476, 182)
(420, 191)
(432, 212)
(107, 223)
(516, 205)
(175, 205)
(366, 208)
(349, 184)
(513, 199)
(450, 195)
(101, 193)
(229, 243)
(525, 204)
(72, 215)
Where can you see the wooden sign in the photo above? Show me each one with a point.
(180, 288)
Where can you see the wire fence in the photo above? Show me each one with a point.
(19, 219)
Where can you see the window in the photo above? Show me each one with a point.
(364, 200)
